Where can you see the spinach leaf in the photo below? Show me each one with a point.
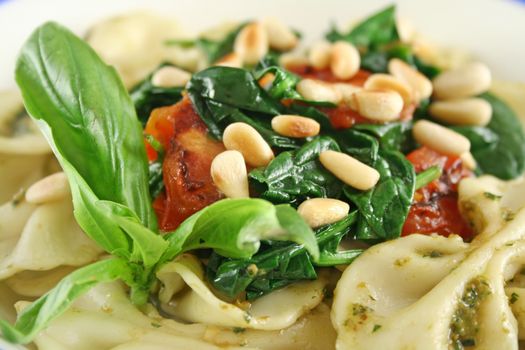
(234, 228)
(214, 49)
(382, 210)
(376, 30)
(87, 116)
(278, 264)
(223, 95)
(395, 135)
(146, 97)
(499, 148)
(358, 144)
(296, 175)
(36, 316)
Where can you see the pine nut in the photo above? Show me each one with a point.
(468, 160)
(288, 60)
(389, 83)
(251, 44)
(469, 80)
(440, 138)
(346, 90)
(421, 85)
(323, 211)
(48, 189)
(319, 54)
(382, 106)
(349, 170)
(317, 90)
(469, 111)
(228, 172)
(295, 126)
(230, 60)
(280, 37)
(245, 139)
(344, 60)
(170, 76)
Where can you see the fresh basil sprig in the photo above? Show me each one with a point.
(89, 120)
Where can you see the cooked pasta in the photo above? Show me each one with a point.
(142, 249)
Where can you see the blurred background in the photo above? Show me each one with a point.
(492, 30)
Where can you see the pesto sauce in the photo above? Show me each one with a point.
(464, 324)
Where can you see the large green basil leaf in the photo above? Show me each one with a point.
(235, 227)
(499, 148)
(36, 316)
(382, 210)
(91, 119)
(296, 175)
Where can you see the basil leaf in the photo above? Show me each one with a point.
(234, 228)
(88, 118)
(382, 210)
(294, 176)
(146, 97)
(278, 264)
(36, 316)
(499, 147)
(376, 30)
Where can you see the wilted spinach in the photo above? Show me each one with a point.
(146, 97)
(279, 264)
(382, 210)
(296, 175)
(499, 147)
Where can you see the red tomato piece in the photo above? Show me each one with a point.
(435, 206)
(187, 163)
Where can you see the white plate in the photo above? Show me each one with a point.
(492, 30)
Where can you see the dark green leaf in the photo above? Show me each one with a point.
(146, 97)
(382, 211)
(376, 30)
(296, 175)
(499, 148)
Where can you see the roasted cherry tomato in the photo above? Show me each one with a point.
(187, 162)
(435, 206)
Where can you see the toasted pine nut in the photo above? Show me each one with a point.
(468, 160)
(344, 60)
(230, 60)
(228, 172)
(295, 126)
(170, 76)
(323, 211)
(319, 54)
(346, 90)
(280, 36)
(317, 90)
(440, 138)
(421, 85)
(288, 60)
(390, 83)
(349, 170)
(469, 80)
(383, 106)
(251, 44)
(469, 111)
(245, 139)
(48, 189)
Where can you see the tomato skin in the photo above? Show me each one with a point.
(435, 206)
(187, 162)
